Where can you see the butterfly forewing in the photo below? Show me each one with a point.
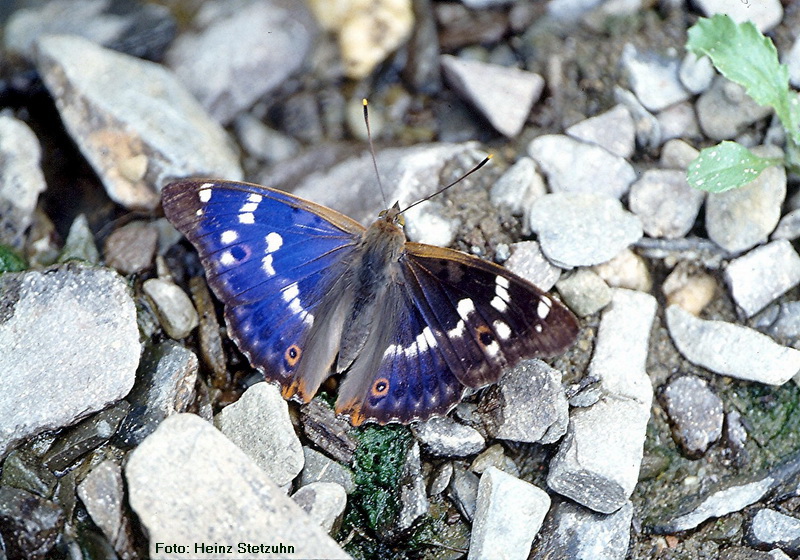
(272, 259)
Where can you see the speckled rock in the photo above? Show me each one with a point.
(51, 324)
(695, 413)
(132, 120)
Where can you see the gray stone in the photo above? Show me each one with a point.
(464, 491)
(597, 463)
(730, 349)
(189, 484)
(742, 218)
(678, 121)
(264, 143)
(528, 261)
(785, 323)
(584, 292)
(574, 166)
(527, 405)
(725, 110)
(508, 515)
(571, 531)
(440, 478)
(132, 120)
(494, 456)
(764, 15)
(677, 154)
(103, 495)
(518, 187)
(581, 229)
(141, 29)
(172, 306)
(762, 275)
(720, 501)
(23, 469)
(648, 129)
(328, 431)
(31, 524)
(52, 324)
(773, 528)
(502, 94)
(444, 437)
(165, 384)
(85, 436)
(789, 226)
(324, 502)
(654, 79)
(696, 73)
(321, 468)
(666, 204)
(132, 247)
(273, 40)
(259, 424)
(408, 174)
(21, 179)
(613, 130)
(413, 498)
(80, 243)
(695, 413)
(792, 60)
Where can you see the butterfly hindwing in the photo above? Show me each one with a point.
(276, 262)
(401, 375)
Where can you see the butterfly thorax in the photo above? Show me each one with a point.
(374, 268)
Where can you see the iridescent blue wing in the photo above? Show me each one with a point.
(461, 322)
(276, 261)
(401, 375)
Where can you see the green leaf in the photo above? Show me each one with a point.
(726, 166)
(11, 261)
(743, 55)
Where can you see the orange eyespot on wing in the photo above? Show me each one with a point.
(380, 387)
(292, 355)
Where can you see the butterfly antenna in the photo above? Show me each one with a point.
(440, 191)
(372, 151)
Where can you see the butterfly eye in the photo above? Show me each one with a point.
(401, 220)
(380, 387)
(292, 355)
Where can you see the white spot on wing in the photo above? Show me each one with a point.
(502, 329)
(537, 327)
(290, 294)
(246, 218)
(274, 242)
(543, 309)
(226, 258)
(499, 304)
(255, 198)
(465, 307)
(456, 331)
(205, 192)
(199, 212)
(266, 265)
(502, 282)
(492, 349)
(229, 237)
(248, 207)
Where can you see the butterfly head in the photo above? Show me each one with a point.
(393, 215)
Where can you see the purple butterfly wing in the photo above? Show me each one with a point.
(276, 261)
(455, 321)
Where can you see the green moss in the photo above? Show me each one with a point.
(10, 261)
(378, 466)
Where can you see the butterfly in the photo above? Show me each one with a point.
(308, 291)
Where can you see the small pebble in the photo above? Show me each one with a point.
(695, 413)
(173, 307)
(131, 248)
